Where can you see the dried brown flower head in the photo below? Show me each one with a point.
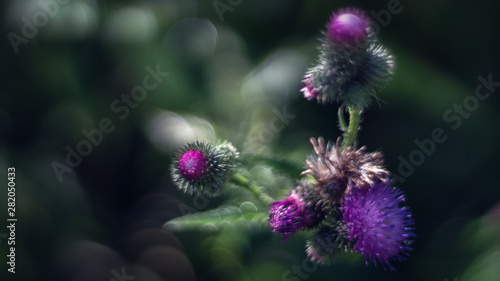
(336, 172)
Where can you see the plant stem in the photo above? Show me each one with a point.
(352, 130)
(240, 180)
(342, 123)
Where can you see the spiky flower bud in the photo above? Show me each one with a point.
(201, 167)
(335, 171)
(287, 216)
(291, 214)
(380, 229)
(315, 209)
(327, 242)
(352, 65)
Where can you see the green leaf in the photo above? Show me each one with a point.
(246, 217)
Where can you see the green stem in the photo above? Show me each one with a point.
(254, 189)
(342, 123)
(352, 130)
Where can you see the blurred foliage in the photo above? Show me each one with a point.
(229, 78)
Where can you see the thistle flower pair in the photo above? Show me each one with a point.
(334, 173)
(353, 206)
(372, 223)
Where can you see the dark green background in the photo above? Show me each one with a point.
(226, 77)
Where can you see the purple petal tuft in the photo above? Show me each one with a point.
(380, 228)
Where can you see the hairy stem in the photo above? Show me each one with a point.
(342, 123)
(352, 130)
(254, 189)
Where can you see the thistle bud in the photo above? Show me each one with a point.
(302, 209)
(203, 167)
(352, 65)
(327, 242)
(287, 216)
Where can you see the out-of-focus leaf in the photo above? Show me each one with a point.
(245, 216)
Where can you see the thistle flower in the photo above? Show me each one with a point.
(335, 171)
(203, 167)
(327, 242)
(380, 229)
(291, 214)
(352, 65)
(192, 164)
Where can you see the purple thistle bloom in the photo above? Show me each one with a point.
(288, 216)
(380, 229)
(202, 167)
(192, 164)
(349, 27)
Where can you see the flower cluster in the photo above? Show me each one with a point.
(354, 207)
(346, 197)
(352, 65)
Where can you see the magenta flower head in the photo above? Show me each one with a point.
(379, 227)
(192, 164)
(352, 65)
(348, 27)
(201, 167)
(289, 215)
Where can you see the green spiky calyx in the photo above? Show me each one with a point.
(203, 167)
(323, 246)
(316, 208)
